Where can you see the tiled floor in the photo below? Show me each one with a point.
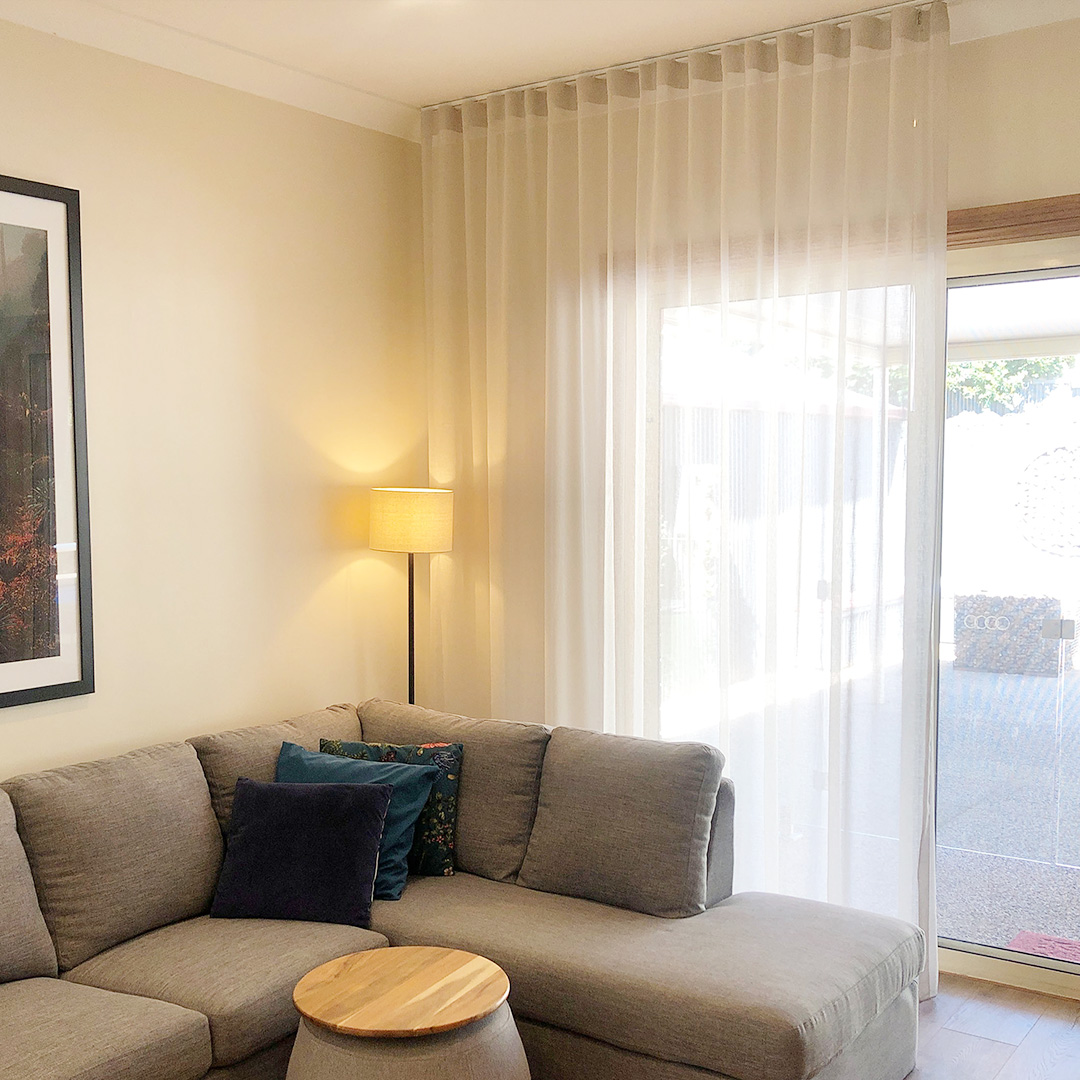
(981, 1031)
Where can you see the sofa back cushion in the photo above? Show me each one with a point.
(118, 847)
(253, 751)
(26, 950)
(721, 846)
(624, 821)
(500, 778)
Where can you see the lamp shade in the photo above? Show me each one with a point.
(412, 519)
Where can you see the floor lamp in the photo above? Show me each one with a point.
(413, 520)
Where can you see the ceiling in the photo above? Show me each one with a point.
(376, 62)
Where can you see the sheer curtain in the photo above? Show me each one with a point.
(686, 331)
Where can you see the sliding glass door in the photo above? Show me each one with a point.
(1009, 702)
(786, 505)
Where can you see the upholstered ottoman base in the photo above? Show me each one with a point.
(489, 1049)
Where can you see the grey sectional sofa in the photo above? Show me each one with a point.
(595, 869)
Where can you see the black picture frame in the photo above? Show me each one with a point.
(44, 487)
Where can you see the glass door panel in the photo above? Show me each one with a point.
(1009, 701)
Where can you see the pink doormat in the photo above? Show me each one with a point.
(1058, 948)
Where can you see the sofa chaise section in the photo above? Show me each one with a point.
(759, 987)
(884, 1049)
(626, 953)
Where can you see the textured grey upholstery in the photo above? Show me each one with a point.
(269, 1064)
(118, 847)
(26, 950)
(624, 821)
(884, 1051)
(253, 751)
(487, 1049)
(500, 778)
(721, 856)
(240, 973)
(55, 1030)
(761, 987)
(125, 854)
(555, 1054)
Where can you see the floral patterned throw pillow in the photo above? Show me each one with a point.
(433, 847)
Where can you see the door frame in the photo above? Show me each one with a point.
(1000, 225)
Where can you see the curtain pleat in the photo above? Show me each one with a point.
(686, 338)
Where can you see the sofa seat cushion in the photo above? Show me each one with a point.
(53, 1028)
(253, 751)
(760, 987)
(500, 778)
(239, 973)
(118, 846)
(26, 950)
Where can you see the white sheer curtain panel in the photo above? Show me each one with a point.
(686, 328)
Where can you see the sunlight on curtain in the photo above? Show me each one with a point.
(686, 327)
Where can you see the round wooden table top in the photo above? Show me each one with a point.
(401, 991)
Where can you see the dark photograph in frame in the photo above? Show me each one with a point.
(46, 640)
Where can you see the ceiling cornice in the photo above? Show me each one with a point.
(164, 46)
(106, 26)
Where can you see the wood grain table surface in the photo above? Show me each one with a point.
(401, 991)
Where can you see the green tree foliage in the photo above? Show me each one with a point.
(999, 384)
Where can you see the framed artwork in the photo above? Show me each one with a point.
(46, 639)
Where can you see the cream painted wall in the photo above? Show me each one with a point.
(1015, 117)
(252, 286)
(253, 359)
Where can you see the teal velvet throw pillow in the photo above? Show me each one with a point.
(433, 845)
(411, 784)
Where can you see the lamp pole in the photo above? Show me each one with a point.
(412, 634)
(412, 520)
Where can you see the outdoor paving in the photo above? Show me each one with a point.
(1008, 806)
(989, 899)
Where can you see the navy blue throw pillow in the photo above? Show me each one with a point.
(411, 784)
(302, 851)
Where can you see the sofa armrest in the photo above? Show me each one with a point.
(721, 853)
